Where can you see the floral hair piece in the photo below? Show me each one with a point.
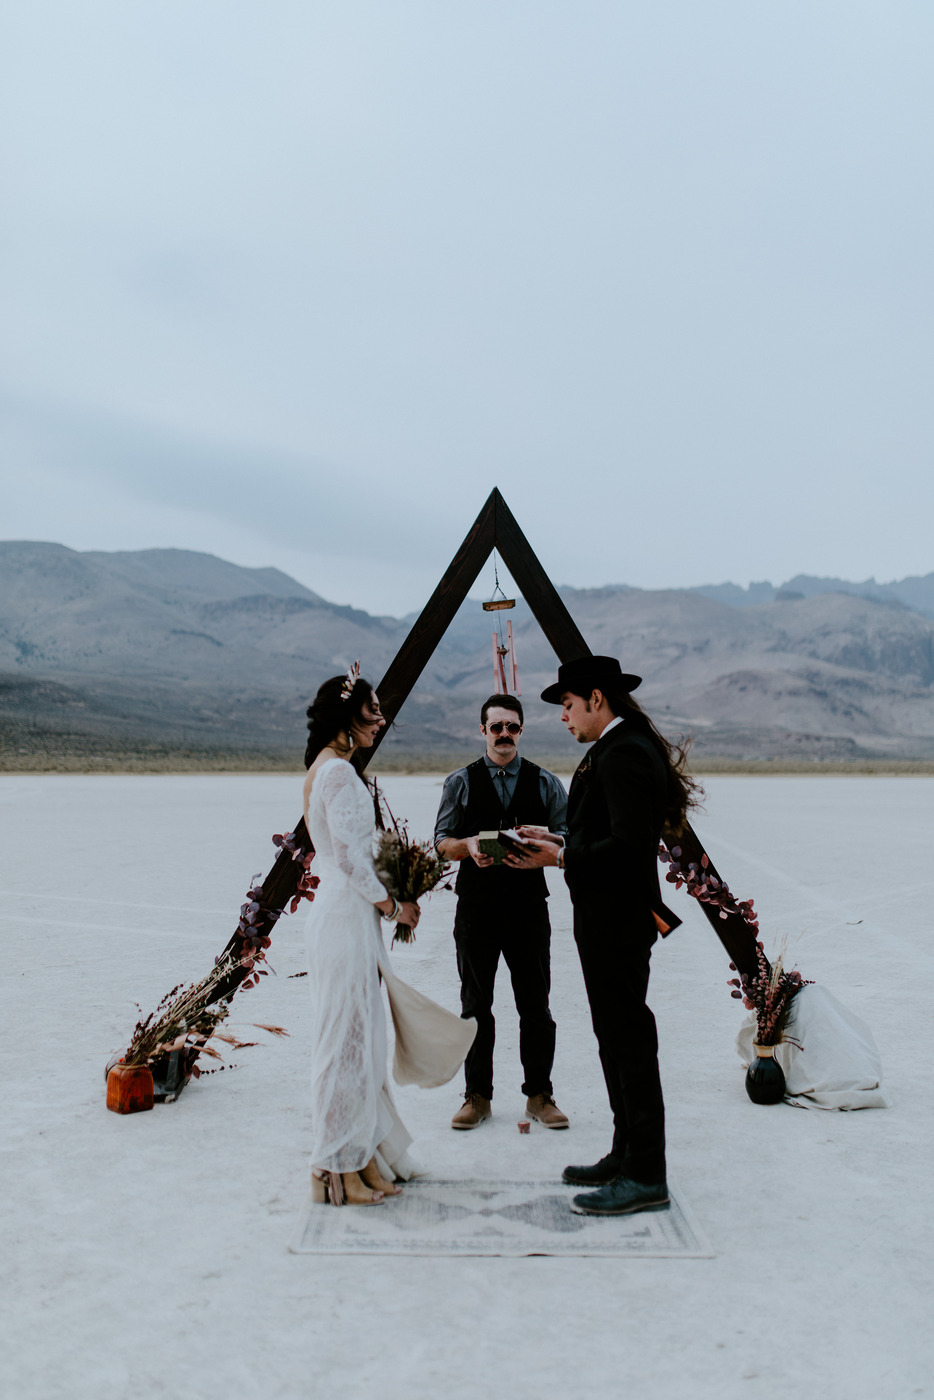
(350, 680)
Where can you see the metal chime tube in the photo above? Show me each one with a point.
(500, 656)
(513, 663)
(499, 675)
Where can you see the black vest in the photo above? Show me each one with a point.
(484, 812)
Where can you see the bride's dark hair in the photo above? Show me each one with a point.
(329, 715)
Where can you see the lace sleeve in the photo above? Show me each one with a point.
(349, 815)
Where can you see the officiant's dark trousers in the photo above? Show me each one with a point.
(614, 951)
(520, 932)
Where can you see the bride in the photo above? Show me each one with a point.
(359, 1142)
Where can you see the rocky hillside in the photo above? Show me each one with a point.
(182, 650)
(916, 593)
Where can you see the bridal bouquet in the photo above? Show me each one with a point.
(407, 868)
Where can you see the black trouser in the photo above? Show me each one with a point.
(614, 951)
(521, 932)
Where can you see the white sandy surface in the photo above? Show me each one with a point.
(146, 1255)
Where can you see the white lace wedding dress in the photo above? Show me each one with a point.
(353, 1114)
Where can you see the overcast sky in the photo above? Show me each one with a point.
(298, 283)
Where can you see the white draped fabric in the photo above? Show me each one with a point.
(353, 1113)
(835, 1063)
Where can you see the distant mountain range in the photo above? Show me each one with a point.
(916, 593)
(175, 650)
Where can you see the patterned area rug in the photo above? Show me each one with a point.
(495, 1217)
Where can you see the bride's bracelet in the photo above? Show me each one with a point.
(395, 913)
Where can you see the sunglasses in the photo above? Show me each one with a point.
(499, 725)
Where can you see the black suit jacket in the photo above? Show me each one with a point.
(616, 810)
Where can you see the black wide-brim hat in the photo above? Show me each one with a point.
(589, 673)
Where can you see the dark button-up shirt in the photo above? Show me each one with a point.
(454, 797)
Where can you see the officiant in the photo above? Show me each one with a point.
(502, 911)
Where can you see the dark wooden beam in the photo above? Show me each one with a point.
(278, 887)
(734, 933)
(536, 587)
(434, 619)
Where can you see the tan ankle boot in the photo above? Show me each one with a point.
(472, 1112)
(546, 1111)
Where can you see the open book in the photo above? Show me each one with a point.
(498, 843)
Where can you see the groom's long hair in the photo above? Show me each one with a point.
(683, 791)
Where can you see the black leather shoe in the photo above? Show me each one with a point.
(622, 1197)
(606, 1170)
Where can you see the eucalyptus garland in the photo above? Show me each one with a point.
(769, 991)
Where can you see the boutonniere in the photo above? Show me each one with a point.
(583, 768)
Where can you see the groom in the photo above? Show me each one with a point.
(620, 797)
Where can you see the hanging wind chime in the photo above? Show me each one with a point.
(504, 648)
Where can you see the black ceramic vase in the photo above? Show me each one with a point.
(765, 1078)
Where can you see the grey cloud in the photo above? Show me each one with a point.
(299, 501)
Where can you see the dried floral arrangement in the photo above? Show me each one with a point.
(408, 869)
(770, 990)
(769, 994)
(184, 1021)
(188, 1016)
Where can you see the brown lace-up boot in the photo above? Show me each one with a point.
(546, 1111)
(472, 1112)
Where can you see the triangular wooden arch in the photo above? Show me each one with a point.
(494, 528)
